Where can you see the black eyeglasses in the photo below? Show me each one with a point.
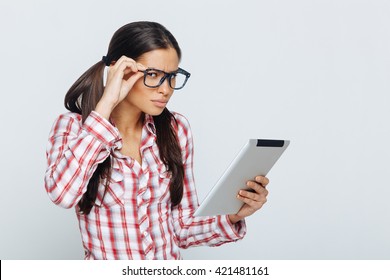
(154, 78)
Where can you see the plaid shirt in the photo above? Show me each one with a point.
(134, 219)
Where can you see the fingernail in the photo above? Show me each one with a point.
(259, 178)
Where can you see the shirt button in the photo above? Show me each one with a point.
(145, 234)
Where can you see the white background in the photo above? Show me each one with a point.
(314, 72)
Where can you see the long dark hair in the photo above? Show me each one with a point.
(131, 40)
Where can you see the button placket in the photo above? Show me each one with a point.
(143, 199)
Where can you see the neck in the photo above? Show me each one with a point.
(126, 119)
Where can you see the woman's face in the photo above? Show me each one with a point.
(152, 101)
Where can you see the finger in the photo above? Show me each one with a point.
(262, 180)
(133, 78)
(253, 196)
(124, 70)
(257, 188)
(138, 67)
(141, 67)
(123, 58)
(252, 203)
(128, 67)
(125, 63)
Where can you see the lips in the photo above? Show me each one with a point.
(160, 103)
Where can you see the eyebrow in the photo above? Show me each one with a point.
(156, 69)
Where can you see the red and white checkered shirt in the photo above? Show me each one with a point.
(135, 219)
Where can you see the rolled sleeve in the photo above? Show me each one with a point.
(101, 129)
(228, 230)
(74, 150)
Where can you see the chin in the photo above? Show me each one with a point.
(154, 112)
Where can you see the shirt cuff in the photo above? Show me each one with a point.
(101, 129)
(231, 231)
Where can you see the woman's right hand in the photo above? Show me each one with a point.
(120, 79)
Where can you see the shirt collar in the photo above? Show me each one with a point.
(149, 124)
(147, 139)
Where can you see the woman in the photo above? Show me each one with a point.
(125, 162)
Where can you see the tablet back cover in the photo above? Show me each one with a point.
(257, 157)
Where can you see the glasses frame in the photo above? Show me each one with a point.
(166, 75)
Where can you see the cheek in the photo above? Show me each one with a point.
(138, 94)
(139, 85)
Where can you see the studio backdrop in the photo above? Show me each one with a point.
(314, 72)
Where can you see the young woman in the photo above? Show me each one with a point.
(124, 161)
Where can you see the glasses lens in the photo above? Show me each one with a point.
(178, 80)
(153, 77)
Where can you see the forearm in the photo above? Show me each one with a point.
(67, 177)
(234, 218)
(104, 108)
(206, 231)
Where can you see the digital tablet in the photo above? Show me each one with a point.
(257, 157)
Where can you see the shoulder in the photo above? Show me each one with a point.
(181, 120)
(182, 124)
(184, 133)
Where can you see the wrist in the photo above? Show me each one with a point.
(104, 108)
(234, 218)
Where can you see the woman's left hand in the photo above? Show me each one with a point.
(253, 199)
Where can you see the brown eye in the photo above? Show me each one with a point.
(152, 74)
